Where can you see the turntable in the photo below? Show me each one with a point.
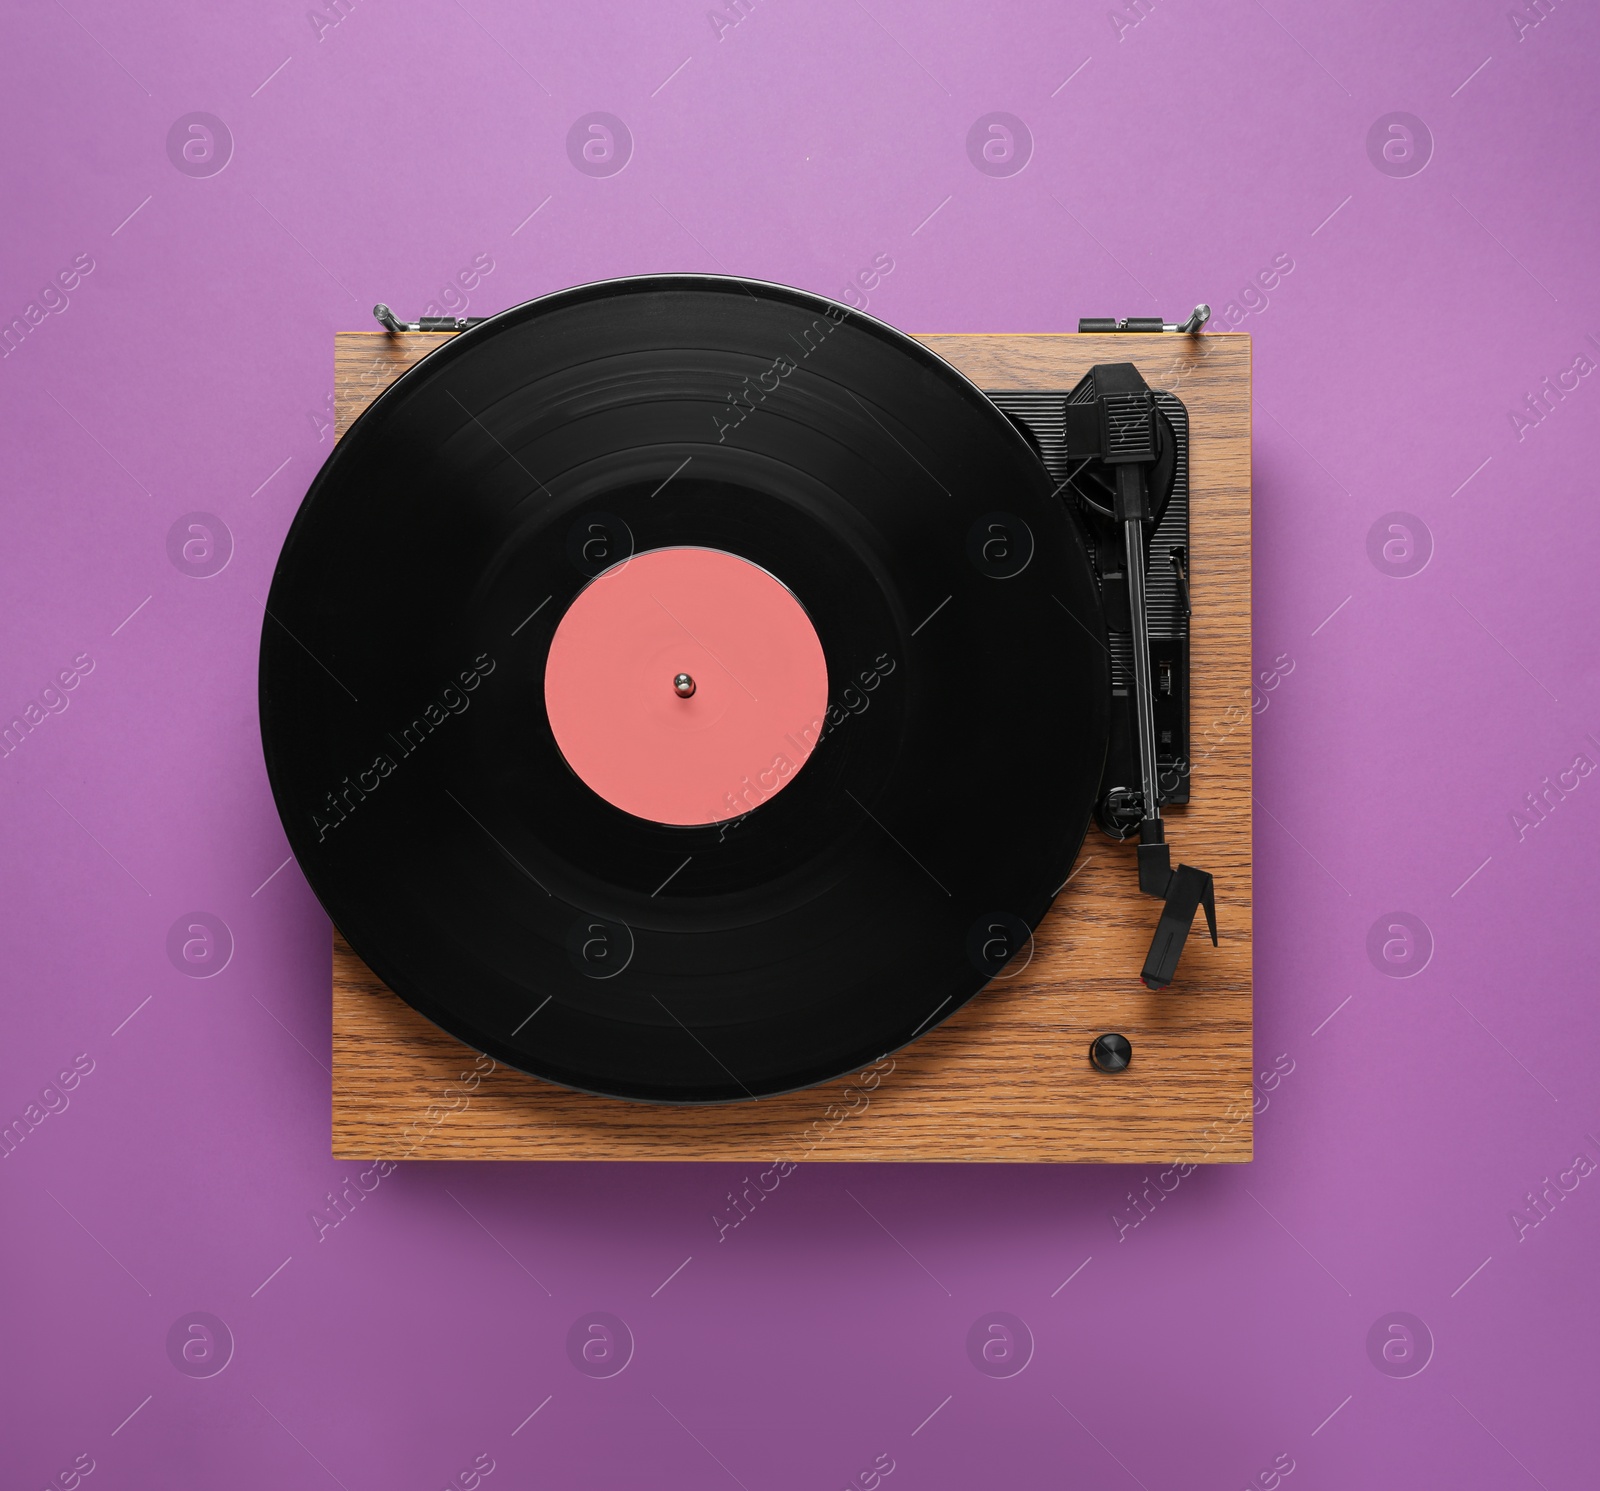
(721, 726)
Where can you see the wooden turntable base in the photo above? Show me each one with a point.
(1008, 1077)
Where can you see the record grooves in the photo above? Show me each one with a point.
(947, 785)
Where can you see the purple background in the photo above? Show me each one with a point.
(1171, 160)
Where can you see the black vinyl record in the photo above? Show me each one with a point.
(412, 758)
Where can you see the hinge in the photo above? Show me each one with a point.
(386, 319)
(1197, 318)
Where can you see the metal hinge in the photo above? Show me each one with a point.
(1197, 318)
(386, 319)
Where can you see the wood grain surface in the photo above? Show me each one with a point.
(1008, 1077)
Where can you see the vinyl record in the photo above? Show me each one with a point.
(498, 782)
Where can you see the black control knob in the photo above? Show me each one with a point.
(1111, 1053)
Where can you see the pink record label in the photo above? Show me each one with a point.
(686, 686)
